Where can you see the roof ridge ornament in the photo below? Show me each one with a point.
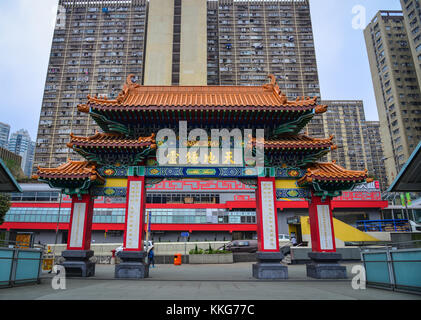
(126, 88)
(275, 87)
(129, 78)
(321, 109)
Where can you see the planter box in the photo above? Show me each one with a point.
(211, 258)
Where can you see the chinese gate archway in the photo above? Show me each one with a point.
(127, 149)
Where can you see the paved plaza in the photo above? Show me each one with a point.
(201, 282)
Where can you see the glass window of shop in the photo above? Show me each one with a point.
(117, 215)
(38, 196)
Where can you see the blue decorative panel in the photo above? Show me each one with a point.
(230, 172)
(109, 192)
(201, 172)
(112, 171)
(289, 173)
(293, 193)
(28, 265)
(6, 256)
(376, 268)
(407, 268)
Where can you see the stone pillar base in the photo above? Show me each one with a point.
(77, 263)
(269, 266)
(132, 265)
(324, 265)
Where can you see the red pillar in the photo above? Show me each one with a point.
(80, 228)
(266, 215)
(135, 209)
(321, 225)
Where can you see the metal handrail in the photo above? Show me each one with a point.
(391, 245)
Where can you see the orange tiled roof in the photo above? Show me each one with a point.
(330, 171)
(71, 170)
(197, 97)
(111, 140)
(298, 142)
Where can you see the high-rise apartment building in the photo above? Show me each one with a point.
(247, 40)
(21, 144)
(412, 17)
(396, 88)
(354, 136)
(4, 134)
(96, 44)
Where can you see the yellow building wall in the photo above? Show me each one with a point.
(343, 231)
(159, 44)
(193, 46)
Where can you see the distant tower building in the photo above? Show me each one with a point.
(4, 134)
(97, 44)
(345, 120)
(376, 158)
(20, 143)
(396, 88)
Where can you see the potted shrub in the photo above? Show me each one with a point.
(210, 256)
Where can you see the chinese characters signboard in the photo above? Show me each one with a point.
(76, 235)
(268, 216)
(325, 228)
(134, 214)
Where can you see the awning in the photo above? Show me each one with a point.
(409, 178)
(7, 181)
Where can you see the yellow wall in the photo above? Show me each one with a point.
(343, 231)
(115, 182)
(193, 46)
(292, 228)
(286, 184)
(158, 56)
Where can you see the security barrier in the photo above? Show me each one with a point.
(395, 267)
(18, 266)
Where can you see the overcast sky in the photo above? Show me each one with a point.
(26, 31)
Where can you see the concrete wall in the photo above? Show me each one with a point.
(193, 46)
(159, 43)
(299, 255)
(163, 248)
(288, 213)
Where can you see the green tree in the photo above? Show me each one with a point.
(4, 206)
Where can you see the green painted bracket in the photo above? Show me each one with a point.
(88, 155)
(142, 155)
(112, 126)
(71, 190)
(293, 126)
(312, 158)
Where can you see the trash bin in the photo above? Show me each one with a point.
(177, 259)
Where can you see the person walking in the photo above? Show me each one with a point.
(293, 240)
(151, 257)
